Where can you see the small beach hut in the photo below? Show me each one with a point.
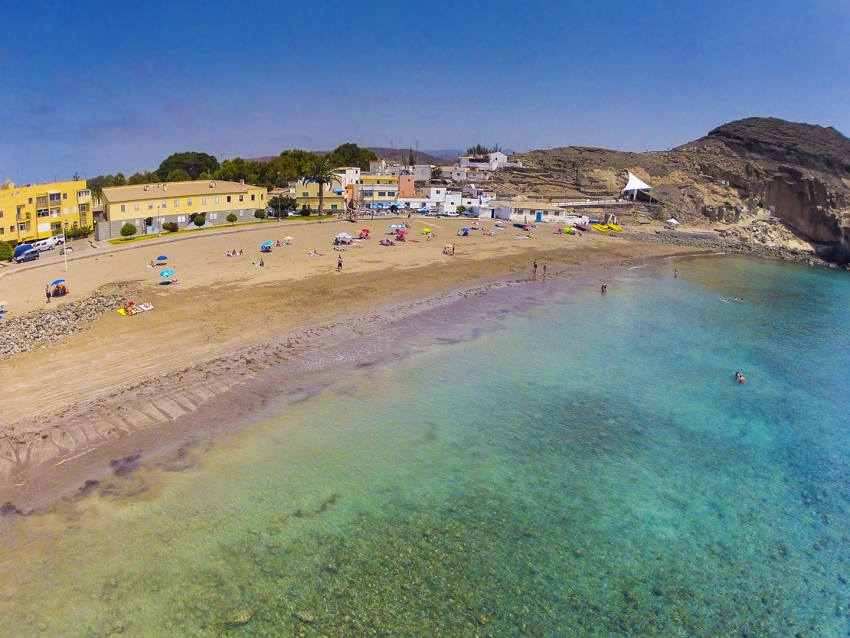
(634, 186)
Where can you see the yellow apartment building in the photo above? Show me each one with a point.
(33, 212)
(376, 189)
(149, 206)
(307, 196)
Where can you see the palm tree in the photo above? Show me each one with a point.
(321, 170)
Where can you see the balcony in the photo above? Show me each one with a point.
(23, 216)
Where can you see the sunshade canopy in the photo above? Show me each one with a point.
(635, 183)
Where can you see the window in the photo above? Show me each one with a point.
(241, 213)
(1, 214)
(215, 199)
(150, 205)
(176, 203)
(42, 213)
(241, 198)
(382, 194)
(136, 206)
(253, 197)
(54, 212)
(55, 197)
(123, 208)
(137, 222)
(203, 201)
(228, 199)
(213, 215)
(181, 219)
(333, 206)
(84, 208)
(30, 201)
(163, 204)
(22, 226)
(2, 231)
(368, 193)
(85, 193)
(305, 194)
(262, 195)
(64, 195)
(188, 201)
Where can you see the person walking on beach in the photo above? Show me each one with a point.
(339, 264)
(47, 293)
(604, 288)
(675, 273)
(534, 268)
(545, 268)
(453, 250)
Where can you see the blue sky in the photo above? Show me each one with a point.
(95, 87)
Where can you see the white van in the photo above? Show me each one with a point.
(48, 244)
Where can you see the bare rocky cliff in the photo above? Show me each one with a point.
(798, 173)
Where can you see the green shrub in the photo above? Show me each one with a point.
(199, 221)
(462, 209)
(171, 227)
(6, 251)
(231, 218)
(260, 213)
(305, 212)
(128, 230)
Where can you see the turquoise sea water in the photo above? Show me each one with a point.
(539, 461)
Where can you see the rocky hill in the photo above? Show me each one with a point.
(797, 173)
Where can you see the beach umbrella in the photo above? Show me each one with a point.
(161, 258)
(464, 230)
(393, 226)
(57, 282)
(401, 232)
(426, 230)
(343, 236)
(289, 238)
(364, 230)
(266, 243)
(166, 273)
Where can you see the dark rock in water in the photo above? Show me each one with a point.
(88, 487)
(127, 465)
(239, 618)
(7, 509)
(304, 617)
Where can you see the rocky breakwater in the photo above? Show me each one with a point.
(727, 244)
(21, 334)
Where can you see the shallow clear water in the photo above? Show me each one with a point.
(543, 462)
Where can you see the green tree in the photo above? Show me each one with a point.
(128, 230)
(321, 171)
(6, 251)
(119, 180)
(193, 162)
(260, 213)
(478, 149)
(143, 178)
(411, 158)
(461, 209)
(283, 204)
(199, 220)
(349, 154)
(437, 172)
(233, 170)
(231, 218)
(178, 175)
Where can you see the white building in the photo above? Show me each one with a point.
(532, 212)
(489, 162)
(348, 175)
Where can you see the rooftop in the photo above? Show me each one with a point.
(139, 192)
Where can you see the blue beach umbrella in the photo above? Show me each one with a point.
(161, 258)
(57, 282)
(166, 273)
(464, 230)
(267, 243)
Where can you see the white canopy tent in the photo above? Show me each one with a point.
(634, 185)
(673, 221)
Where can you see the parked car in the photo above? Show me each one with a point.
(48, 244)
(31, 255)
(451, 214)
(20, 250)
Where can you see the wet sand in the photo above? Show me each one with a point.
(74, 405)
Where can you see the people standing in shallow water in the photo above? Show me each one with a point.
(604, 288)
(534, 268)
(740, 378)
(675, 273)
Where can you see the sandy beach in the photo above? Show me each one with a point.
(228, 319)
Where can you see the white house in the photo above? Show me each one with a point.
(348, 175)
(489, 162)
(533, 212)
